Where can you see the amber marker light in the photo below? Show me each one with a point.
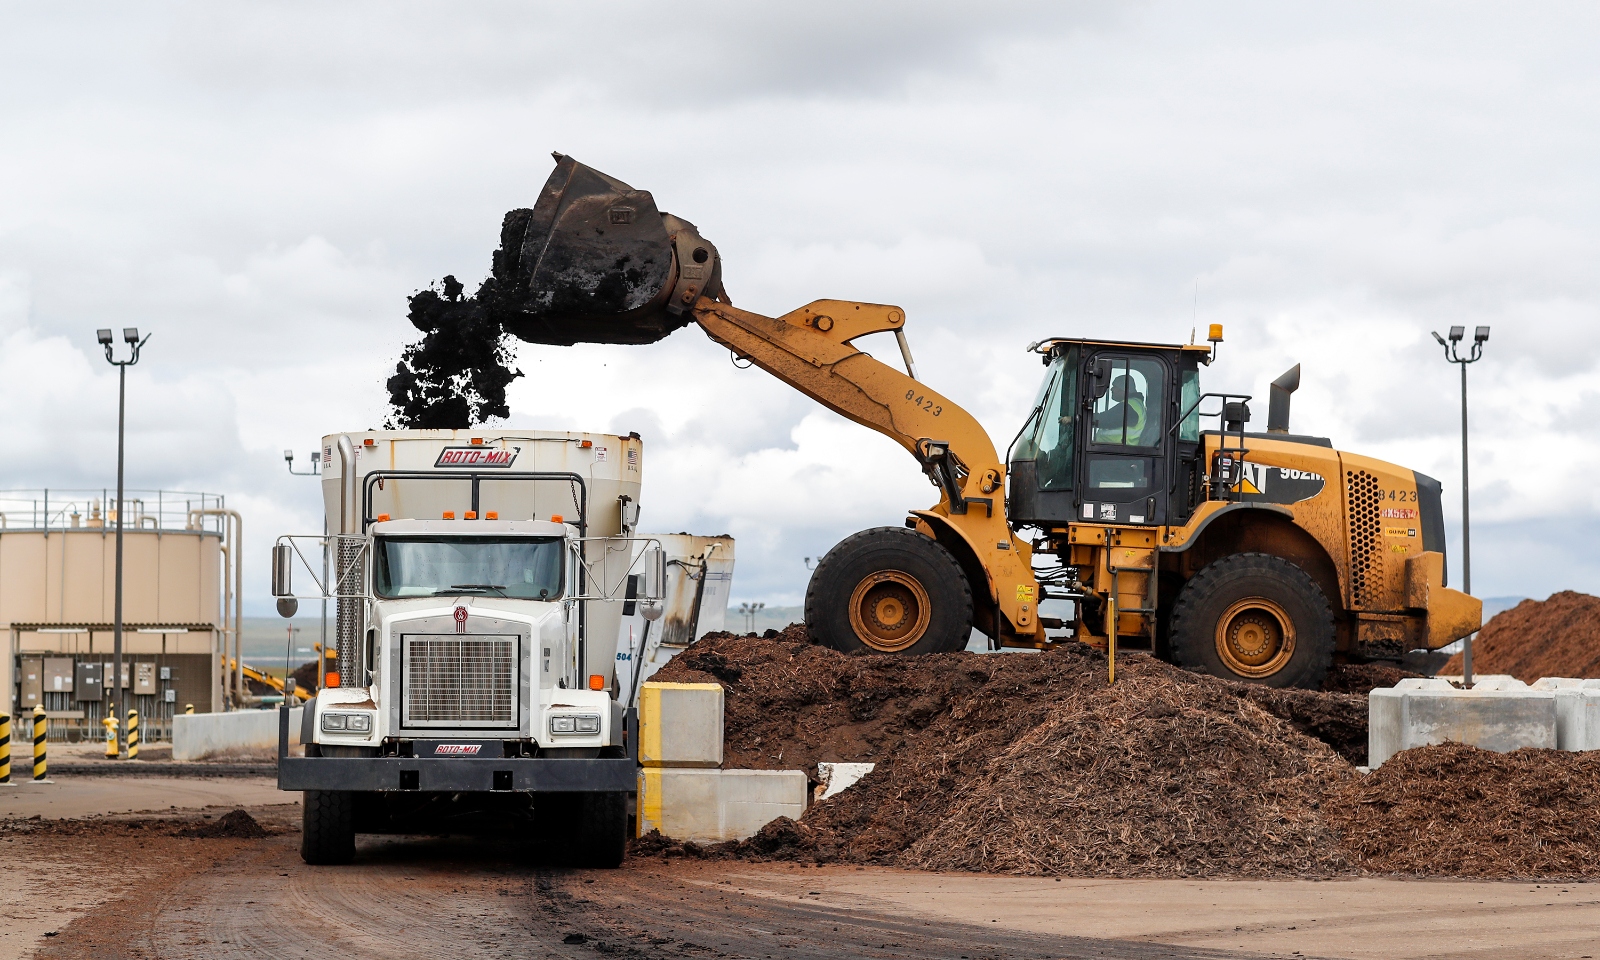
(449, 515)
(491, 515)
(597, 682)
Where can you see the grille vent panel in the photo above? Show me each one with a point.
(1366, 537)
(459, 681)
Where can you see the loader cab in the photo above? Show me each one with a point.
(1108, 439)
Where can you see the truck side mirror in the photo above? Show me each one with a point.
(282, 568)
(652, 609)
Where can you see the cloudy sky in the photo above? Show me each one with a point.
(263, 185)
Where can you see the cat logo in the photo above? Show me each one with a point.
(1267, 484)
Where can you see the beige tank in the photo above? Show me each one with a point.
(58, 593)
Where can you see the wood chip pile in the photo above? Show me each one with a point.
(1558, 637)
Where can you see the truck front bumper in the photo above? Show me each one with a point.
(457, 774)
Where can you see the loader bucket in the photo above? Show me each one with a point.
(592, 262)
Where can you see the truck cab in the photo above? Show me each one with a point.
(476, 611)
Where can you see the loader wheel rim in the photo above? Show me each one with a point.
(889, 610)
(1255, 637)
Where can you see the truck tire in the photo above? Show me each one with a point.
(1256, 618)
(889, 590)
(603, 833)
(584, 829)
(327, 827)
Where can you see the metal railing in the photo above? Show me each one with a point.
(54, 508)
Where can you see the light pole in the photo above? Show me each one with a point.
(749, 611)
(1479, 337)
(131, 335)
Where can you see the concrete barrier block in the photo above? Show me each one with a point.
(1578, 718)
(1498, 683)
(196, 736)
(1477, 678)
(680, 725)
(1423, 683)
(711, 806)
(1493, 719)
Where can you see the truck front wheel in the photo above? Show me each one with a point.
(889, 590)
(584, 829)
(1254, 617)
(327, 827)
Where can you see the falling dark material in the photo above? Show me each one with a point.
(456, 376)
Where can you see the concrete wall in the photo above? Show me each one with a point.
(1500, 716)
(711, 806)
(202, 735)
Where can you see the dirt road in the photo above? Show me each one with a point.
(408, 897)
(418, 898)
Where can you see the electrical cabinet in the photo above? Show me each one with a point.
(31, 681)
(58, 674)
(144, 678)
(90, 683)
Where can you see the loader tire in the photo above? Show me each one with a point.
(889, 590)
(1255, 618)
(328, 827)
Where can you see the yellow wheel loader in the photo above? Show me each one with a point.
(1129, 490)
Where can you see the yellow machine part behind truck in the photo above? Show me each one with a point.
(1254, 556)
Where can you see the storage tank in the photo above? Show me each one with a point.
(57, 605)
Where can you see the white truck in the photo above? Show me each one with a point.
(480, 578)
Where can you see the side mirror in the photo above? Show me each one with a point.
(652, 609)
(1100, 374)
(288, 607)
(282, 568)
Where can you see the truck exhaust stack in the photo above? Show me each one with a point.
(594, 261)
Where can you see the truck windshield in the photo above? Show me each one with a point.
(521, 568)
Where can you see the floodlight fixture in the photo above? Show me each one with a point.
(104, 336)
(1480, 335)
(130, 334)
(1456, 333)
(288, 455)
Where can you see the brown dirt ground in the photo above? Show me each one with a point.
(1558, 637)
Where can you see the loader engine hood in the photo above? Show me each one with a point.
(594, 261)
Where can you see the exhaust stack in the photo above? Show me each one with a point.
(1278, 402)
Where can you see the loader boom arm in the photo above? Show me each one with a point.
(810, 350)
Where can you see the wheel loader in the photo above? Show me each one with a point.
(1129, 491)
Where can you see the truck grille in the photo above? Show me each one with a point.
(459, 681)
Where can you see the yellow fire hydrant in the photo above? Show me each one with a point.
(110, 723)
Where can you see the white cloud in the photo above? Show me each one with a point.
(263, 186)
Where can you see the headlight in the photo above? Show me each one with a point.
(347, 722)
(587, 725)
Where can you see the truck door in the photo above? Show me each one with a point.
(1123, 468)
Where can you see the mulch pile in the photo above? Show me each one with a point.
(235, 824)
(1455, 810)
(1558, 637)
(1363, 678)
(1033, 764)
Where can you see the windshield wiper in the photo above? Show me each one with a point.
(472, 586)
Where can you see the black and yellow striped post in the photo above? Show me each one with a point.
(133, 734)
(110, 723)
(5, 748)
(38, 743)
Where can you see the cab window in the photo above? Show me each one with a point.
(1049, 444)
(1189, 405)
(1128, 413)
